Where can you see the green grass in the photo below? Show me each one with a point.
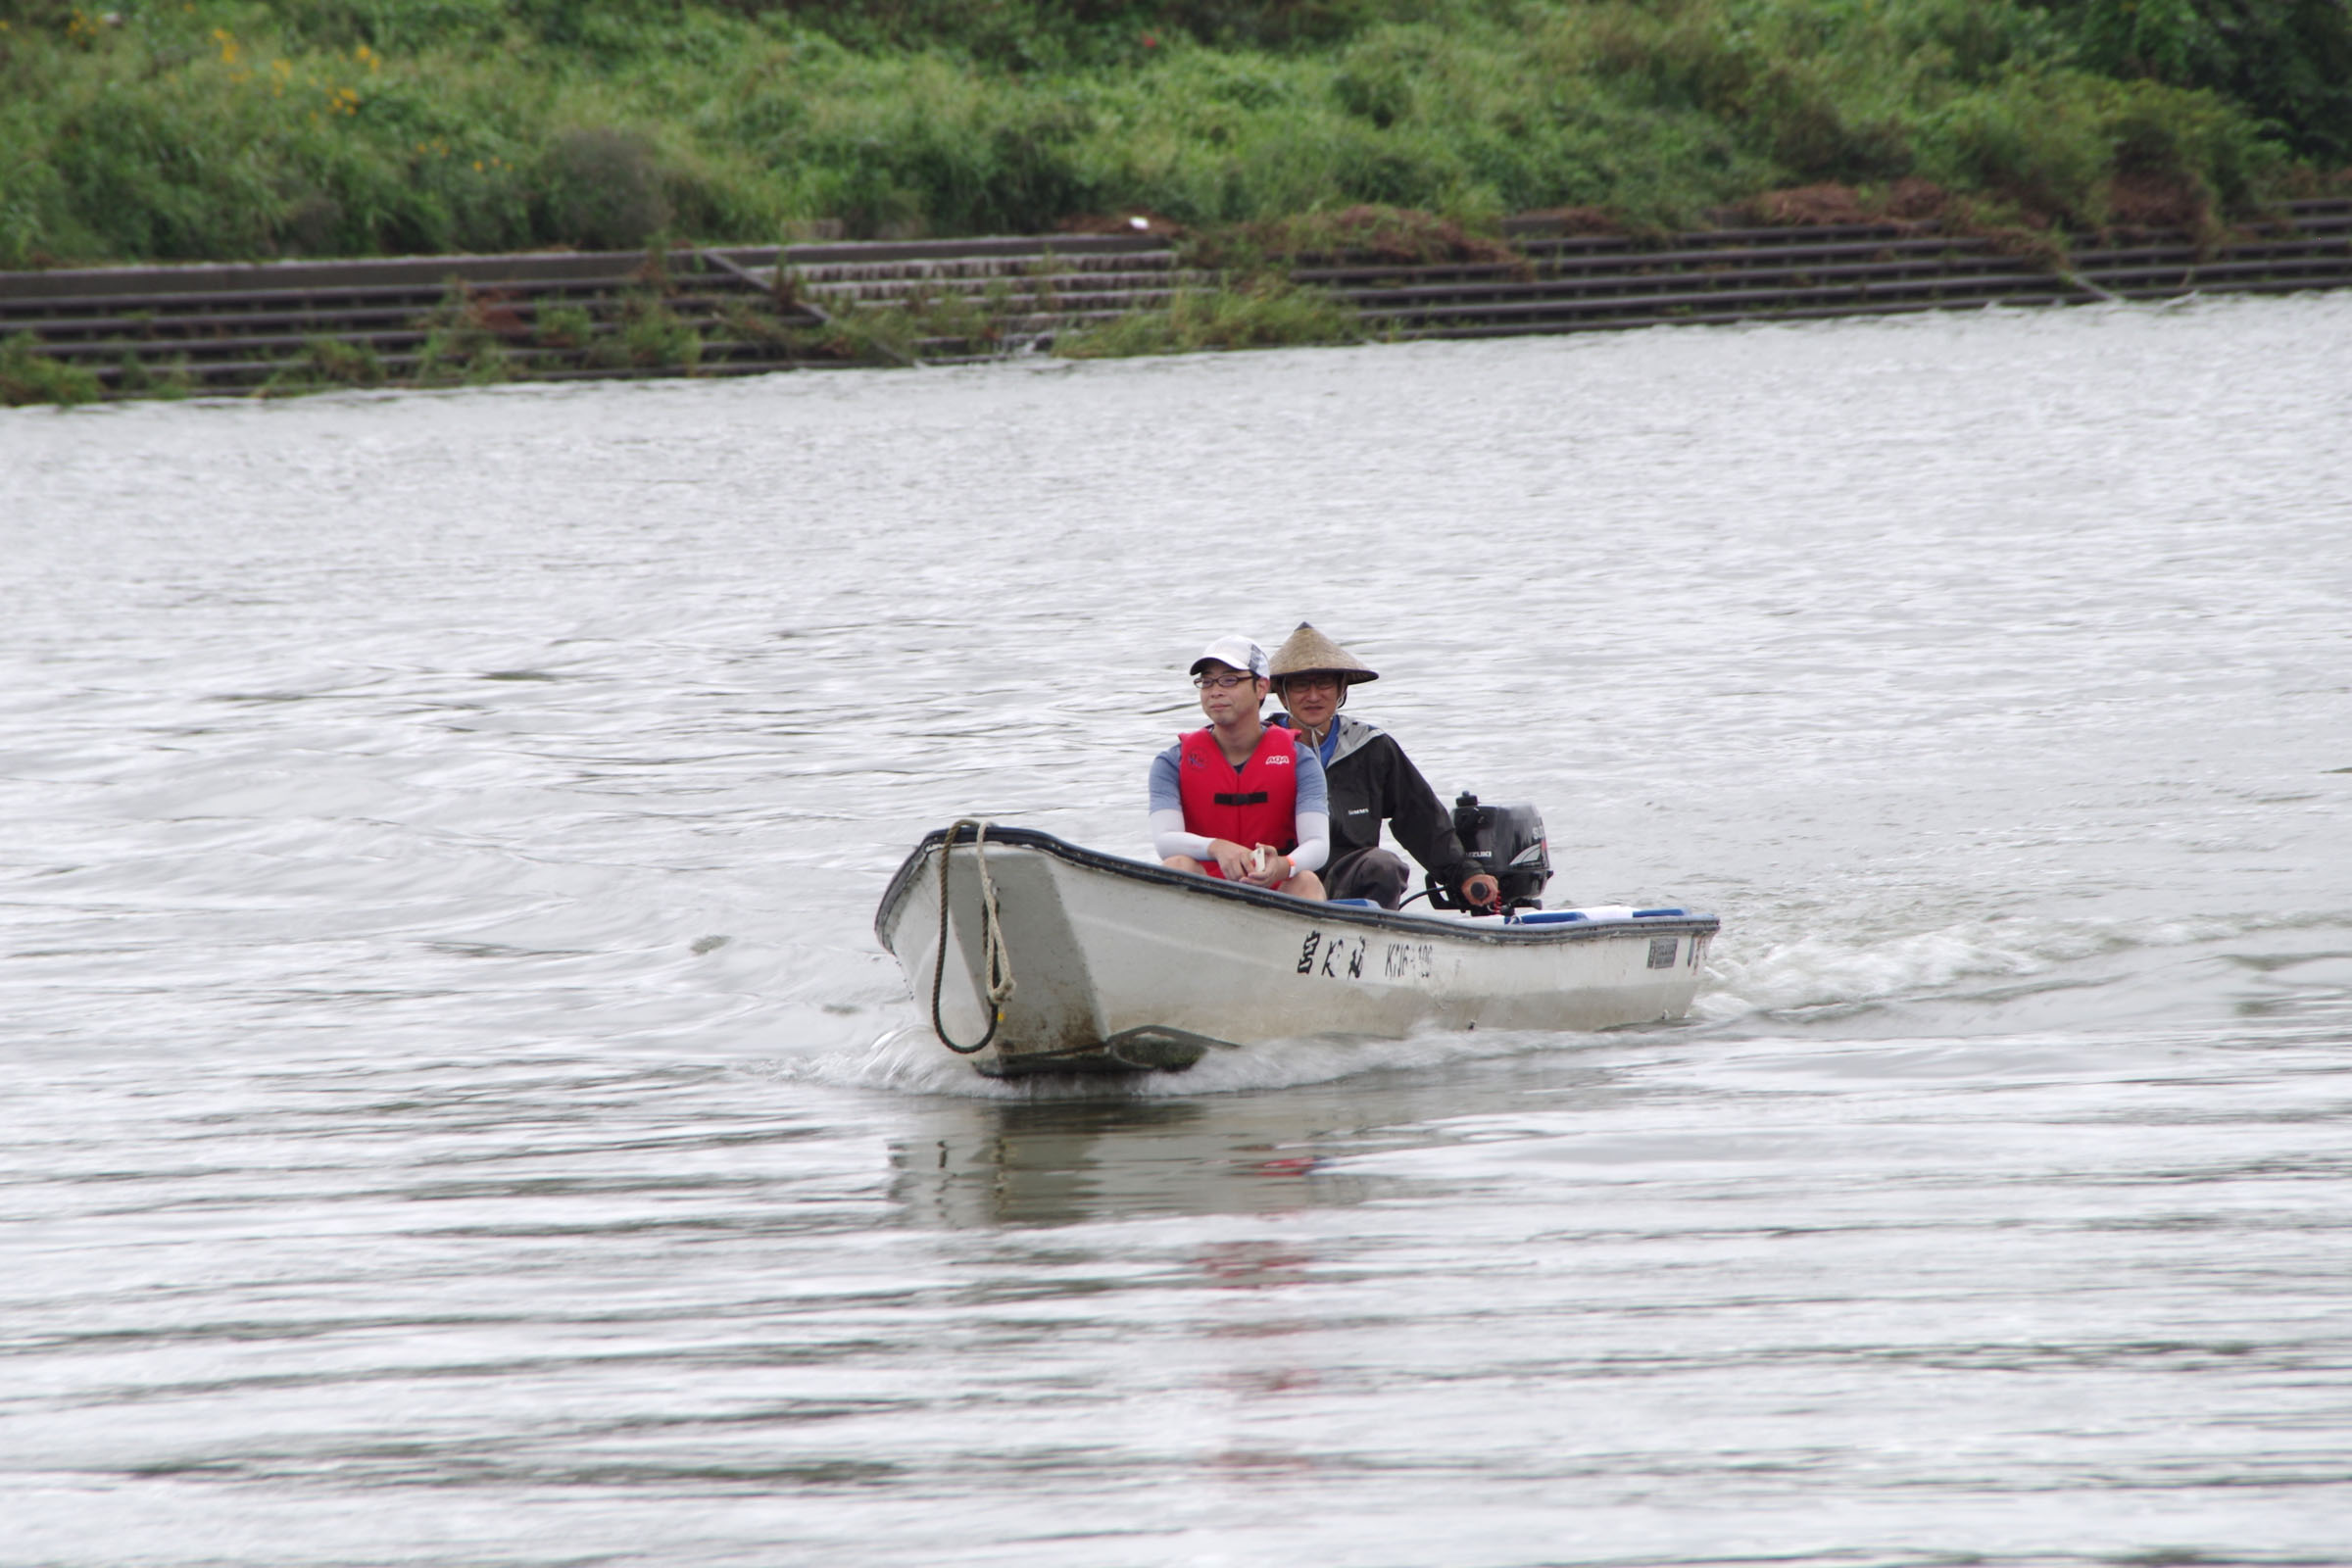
(27, 375)
(1263, 314)
(225, 129)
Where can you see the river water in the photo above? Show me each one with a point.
(456, 1111)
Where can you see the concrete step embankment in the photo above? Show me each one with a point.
(709, 310)
(1565, 283)
(210, 328)
(984, 298)
(741, 310)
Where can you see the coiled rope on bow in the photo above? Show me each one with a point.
(992, 939)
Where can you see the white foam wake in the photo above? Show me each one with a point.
(1981, 960)
(1965, 975)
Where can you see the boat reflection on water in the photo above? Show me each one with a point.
(987, 1164)
(1108, 1157)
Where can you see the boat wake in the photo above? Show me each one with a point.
(1987, 972)
(1968, 977)
(1972, 976)
(907, 1058)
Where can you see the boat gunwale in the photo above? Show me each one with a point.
(1185, 882)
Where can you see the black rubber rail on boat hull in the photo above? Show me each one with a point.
(902, 883)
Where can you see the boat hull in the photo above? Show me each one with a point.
(1119, 966)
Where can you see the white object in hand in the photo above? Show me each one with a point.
(1258, 860)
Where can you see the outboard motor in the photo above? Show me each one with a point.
(1507, 843)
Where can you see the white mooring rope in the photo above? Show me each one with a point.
(992, 938)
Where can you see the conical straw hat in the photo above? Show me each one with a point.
(1308, 649)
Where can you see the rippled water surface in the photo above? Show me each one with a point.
(456, 1111)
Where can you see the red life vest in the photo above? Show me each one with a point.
(1257, 802)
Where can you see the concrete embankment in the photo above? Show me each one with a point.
(727, 311)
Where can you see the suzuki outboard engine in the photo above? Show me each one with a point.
(1507, 843)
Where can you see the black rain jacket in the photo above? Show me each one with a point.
(1373, 781)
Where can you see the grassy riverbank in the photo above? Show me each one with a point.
(214, 130)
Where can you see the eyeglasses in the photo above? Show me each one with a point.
(1223, 683)
(1310, 683)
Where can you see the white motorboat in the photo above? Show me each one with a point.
(1058, 958)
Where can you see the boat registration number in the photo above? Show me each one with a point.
(1346, 958)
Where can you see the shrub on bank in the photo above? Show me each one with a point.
(2286, 63)
(1263, 314)
(229, 129)
(27, 375)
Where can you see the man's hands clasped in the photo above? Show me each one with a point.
(1263, 867)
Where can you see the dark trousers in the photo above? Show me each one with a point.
(1376, 874)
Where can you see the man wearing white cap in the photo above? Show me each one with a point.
(1239, 800)
(1369, 780)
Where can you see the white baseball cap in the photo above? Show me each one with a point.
(1234, 653)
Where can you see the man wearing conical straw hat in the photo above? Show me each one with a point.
(1369, 780)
